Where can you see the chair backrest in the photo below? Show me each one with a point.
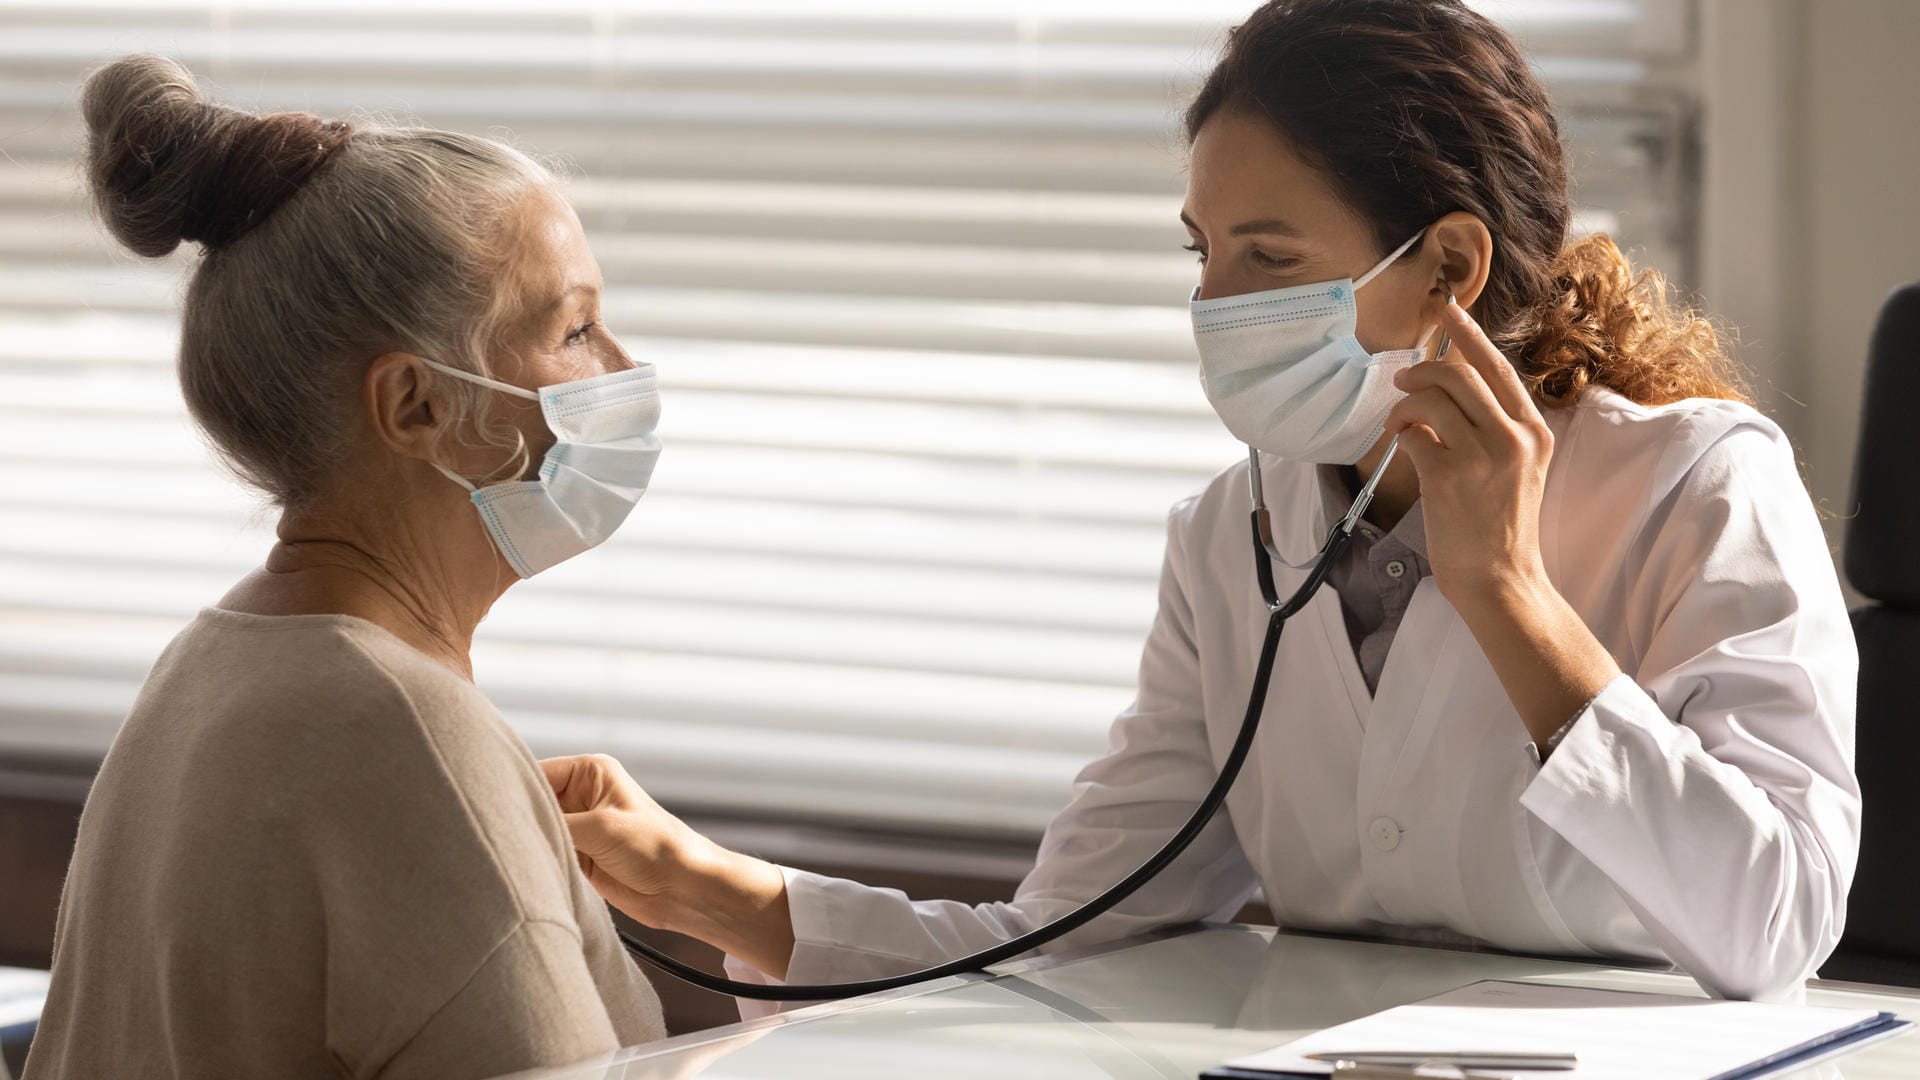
(1882, 942)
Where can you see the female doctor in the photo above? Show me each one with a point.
(1584, 680)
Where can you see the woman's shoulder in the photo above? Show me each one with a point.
(1607, 439)
(1226, 495)
(324, 694)
(338, 665)
(1607, 422)
(343, 728)
(1630, 480)
(1218, 506)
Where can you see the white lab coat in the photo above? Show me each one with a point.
(1703, 809)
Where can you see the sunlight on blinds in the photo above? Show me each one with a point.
(911, 275)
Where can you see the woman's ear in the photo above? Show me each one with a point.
(1464, 247)
(401, 409)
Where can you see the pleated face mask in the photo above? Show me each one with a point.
(1285, 373)
(591, 478)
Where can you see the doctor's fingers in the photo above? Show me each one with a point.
(1436, 409)
(1468, 342)
(586, 781)
(1462, 383)
(631, 858)
(1422, 447)
(598, 835)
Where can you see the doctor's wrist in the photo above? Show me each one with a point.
(735, 903)
(1504, 591)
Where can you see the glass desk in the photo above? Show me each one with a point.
(1166, 1005)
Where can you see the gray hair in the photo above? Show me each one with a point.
(325, 245)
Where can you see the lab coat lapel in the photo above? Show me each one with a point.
(1324, 620)
(1325, 611)
(1415, 686)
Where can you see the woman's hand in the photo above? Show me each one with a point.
(652, 866)
(1481, 449)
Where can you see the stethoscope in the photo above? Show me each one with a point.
(1265, 554)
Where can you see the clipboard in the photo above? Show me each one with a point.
(1616, 1034)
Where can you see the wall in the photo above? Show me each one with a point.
(1811, 208)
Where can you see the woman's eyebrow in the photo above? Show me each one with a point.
(1273, 226)
(1270, 226)
(581, 287)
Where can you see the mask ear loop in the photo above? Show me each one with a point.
(1365, 498)
(455, 477)
(472, 489)
(496, 384)
(1388, 261)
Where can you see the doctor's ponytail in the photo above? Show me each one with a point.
(1419, 108)
(1600, 322)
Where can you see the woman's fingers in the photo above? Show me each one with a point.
(1461, 382)
(1422, 447)
(1436, 410)
(1471, 343)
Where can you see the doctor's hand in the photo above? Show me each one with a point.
(1481, 449)
(655, 868)
(629, 848)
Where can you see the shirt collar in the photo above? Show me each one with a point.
(1336, 498)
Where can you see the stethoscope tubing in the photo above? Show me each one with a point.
(1264, 556)
(1277, 615)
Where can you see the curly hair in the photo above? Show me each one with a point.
(1419, 108)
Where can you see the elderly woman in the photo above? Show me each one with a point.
(315, 848)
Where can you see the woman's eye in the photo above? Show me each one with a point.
(1271, 262)
(1197, 250)
(579, 335)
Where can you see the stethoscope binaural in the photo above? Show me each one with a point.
(1278, 612)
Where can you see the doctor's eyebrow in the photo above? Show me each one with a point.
(1268, 226)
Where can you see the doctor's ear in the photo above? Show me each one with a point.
(1460, 248)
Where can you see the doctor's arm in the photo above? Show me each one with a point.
(1714, 784)
(1715, 787)
(803, 927)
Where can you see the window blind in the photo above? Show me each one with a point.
(912, 280)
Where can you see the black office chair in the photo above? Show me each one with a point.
(1882, 940)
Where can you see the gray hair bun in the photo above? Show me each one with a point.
(166, 165)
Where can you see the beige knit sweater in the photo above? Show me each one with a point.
(312, 851)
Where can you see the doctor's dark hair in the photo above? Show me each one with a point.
(1418, 108)
(324, 244)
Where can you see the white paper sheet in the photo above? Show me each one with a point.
(1617, 1034)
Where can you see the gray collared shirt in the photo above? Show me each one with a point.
(1377, 574)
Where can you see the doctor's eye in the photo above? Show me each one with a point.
(1197, 250)
(1273, 262)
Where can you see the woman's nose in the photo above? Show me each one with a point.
(617, 358)
(1210, 284)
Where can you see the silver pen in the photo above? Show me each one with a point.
(1353, 1070)
(1465, 1059)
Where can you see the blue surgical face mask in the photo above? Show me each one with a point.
(1285, 373)
(591, 478)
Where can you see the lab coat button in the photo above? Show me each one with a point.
(1386, 833)
(1396, 568)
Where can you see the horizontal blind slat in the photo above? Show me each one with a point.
(911, 276)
